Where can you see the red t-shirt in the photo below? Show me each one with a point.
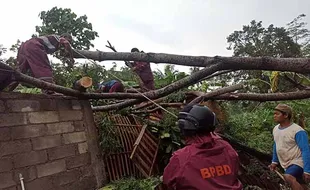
(206, 162)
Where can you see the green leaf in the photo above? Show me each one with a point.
(168, 149)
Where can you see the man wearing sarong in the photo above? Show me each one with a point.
(32, 56)
(146, 81)
(144, 71)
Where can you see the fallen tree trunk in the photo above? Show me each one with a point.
(200, 94)
(82, 84)
(216, 74)
(187, 81)
(147, 57)
(298, 95)
(155, 94)
(192, 79)
(203, 96)
(182, 83)
(304, 94)
(300, 65)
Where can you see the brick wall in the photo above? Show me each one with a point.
(51, 141)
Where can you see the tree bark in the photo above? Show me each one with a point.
(263, 97)
(187, 81)
(158, 95)
(216, 74)
(147, 57)
(302, 94)
(82, 84)
(182, 83)
(203, 96)
(301, 65)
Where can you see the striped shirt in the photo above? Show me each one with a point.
(51, 43)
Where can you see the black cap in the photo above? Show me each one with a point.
(134, 50)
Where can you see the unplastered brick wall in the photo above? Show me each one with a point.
(51, 141)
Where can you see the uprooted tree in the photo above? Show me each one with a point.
(268, 71)
(211, 64)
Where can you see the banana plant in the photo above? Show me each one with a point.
(275, 78)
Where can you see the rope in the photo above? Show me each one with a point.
(130, 86)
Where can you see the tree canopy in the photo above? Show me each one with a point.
(255, 40)
(59, 21)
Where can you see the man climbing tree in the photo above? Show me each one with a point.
(32, 55)
(144, 71)
(146, 81)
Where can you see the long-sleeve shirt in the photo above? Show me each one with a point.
(291, 146)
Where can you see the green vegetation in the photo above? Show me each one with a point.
(251, 123)
(132, 183)
(108, 136)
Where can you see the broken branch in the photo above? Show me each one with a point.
(203, 96)
(182, 83)
(303, 94)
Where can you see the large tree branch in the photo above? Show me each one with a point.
(147, 57)
(71, 92)
(303, 94)
(182, 83)
(189, 80)
(301, 65)
(216, 74)
(203, 96)
(228, 96)
(197, 93)
(161, 99)
(67, 91)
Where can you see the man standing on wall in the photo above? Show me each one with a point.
(32, 56)
(207, 161)
(291, 148)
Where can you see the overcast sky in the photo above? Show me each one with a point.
(190, 27)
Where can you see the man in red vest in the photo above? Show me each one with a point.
(207, 161)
